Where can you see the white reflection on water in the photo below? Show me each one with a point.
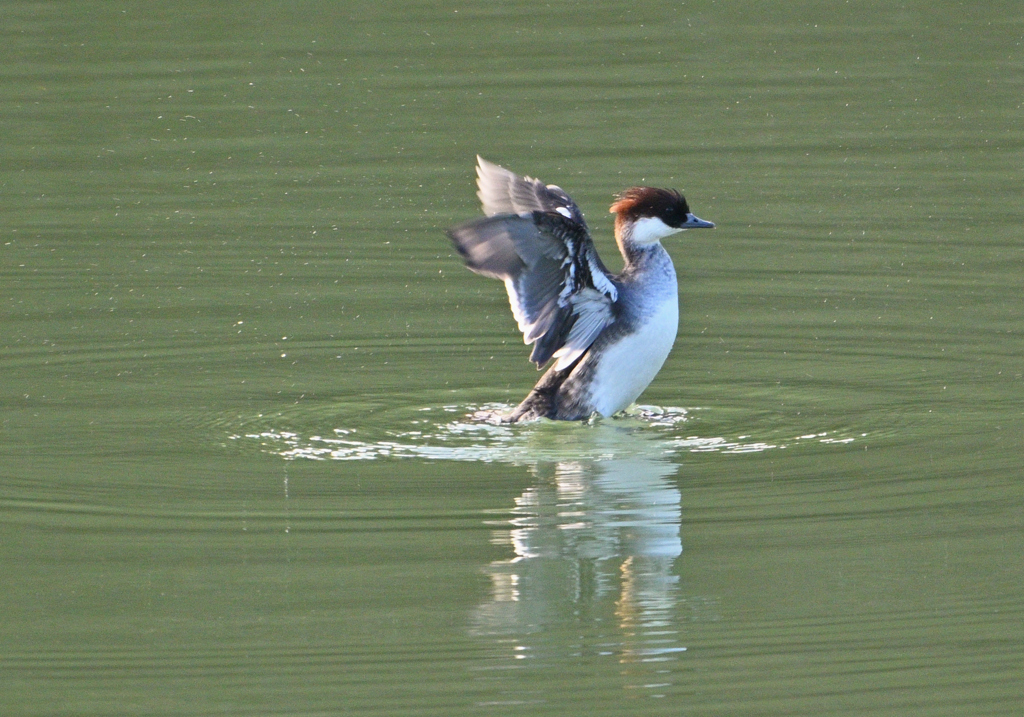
(593, 541)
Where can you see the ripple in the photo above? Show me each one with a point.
(469, 432)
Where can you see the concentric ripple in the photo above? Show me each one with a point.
(468, 432)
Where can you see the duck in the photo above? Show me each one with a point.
(605, 335)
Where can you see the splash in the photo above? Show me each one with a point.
(470, 433)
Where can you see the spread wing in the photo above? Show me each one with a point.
(504, 192)
(561, 295)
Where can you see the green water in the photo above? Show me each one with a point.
(238, 472)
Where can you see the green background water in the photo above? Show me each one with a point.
(237, 473)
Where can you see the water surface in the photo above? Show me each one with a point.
(239, 468)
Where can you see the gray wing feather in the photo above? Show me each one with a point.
(505, 192)
(560, 293)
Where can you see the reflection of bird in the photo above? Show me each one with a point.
(609, 334)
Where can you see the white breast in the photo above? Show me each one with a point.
(624, 369)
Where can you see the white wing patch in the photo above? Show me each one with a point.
(593, 312)
(530, 331)
(601, 280)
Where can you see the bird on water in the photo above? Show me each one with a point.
(608, 334)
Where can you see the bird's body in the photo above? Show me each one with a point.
(609, 334)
